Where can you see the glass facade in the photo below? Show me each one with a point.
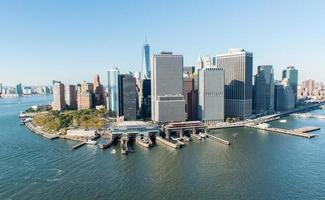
(113, 92)
(146, 61)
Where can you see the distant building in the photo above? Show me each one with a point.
(205, 61)
(188, 71)
(113, 93)
(291, 75)
(19, 90)
(70, 95)
(46, 90)
(146, 61)
(283, 97)
(127, 97)
(99, 95)
(0, 89)
(167, 100)
(145, 103)
(58, 96)
(85, 96)
(211, 95)
(238, 69)
(190, 95)
(27, 91)
(264, 90)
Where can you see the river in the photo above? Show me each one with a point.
(257, 165)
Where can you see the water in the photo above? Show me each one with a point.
(258, 165)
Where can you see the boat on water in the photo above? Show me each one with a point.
(91, 142)
(283, 121)
(145, 142)
(186, 138)
(202, 135)
(113, 151)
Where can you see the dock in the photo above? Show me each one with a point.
(307, 129)
(167, 143)
(222, 141)
(294, 132)
(78, 145)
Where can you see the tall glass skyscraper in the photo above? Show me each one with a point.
(113, 103)
(146, 61)
(19, 90)
(264, 89)
(292, 76)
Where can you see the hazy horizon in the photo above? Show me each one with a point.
(73, 41)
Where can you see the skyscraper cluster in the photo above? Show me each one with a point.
(216, 89)
(80, 96)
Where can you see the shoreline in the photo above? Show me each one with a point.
(37, 130)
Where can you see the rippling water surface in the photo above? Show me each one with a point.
(258, 165)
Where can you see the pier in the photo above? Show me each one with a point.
(301, 132)
(78, 145)
(222, 141)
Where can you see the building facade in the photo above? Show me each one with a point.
(113, 93)
(146, 61)
(70, 95)
(264, 90)
(99, 93)
(127, 97)
(238, 69)
(291, 74)
(58, 96)
(145, 105)
(19, 90)
(167, 100)
(85, 96)
(211, 95)
(190, 96)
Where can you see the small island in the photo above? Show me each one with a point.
(79, 125)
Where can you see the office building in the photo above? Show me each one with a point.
(167, 100)
(113, 93)
(190, 96)
(85, 96)
(145, 99)
(284, 99)
(238, 70)
(127, 97)
(211, 95)
(99, 95)
(146, 61)
(58, 96)
(264, 90)
(291, 75)
(70, 95)
(19, 90)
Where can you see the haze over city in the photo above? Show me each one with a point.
(72, 41)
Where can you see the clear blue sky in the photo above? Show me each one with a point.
(73, 40)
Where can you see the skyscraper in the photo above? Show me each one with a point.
(238, 69)
(58, 96)
(146, 61)
(113, 93)
(292, 76)
(145, 103)
(264, 90)
(85, 96)
(167, 100)
(70, 95)
(98, 92)
(127, 97)
(211, 95)
(19, 90)
(190, 96)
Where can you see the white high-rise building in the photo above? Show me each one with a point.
(167, 100)
(211, 95)
(58, 96)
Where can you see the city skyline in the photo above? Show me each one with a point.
(33, 33)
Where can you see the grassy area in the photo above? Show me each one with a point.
(55, 121)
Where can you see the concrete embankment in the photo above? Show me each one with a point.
(38, 131)
(294, 132)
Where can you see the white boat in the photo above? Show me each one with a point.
(202, 135)
(92, 142)
(283, 121)
(113, 151)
